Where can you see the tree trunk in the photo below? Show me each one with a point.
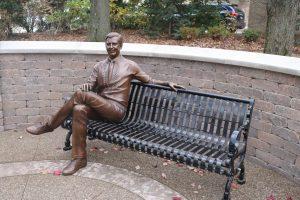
(281, 25)
(99, 22)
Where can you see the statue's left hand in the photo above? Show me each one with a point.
(175, 85)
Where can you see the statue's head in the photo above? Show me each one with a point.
(113, 44)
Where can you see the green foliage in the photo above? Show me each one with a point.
(251, 35)
(218, 32)
(74, 16)
(127, 16)
(191, 32)
(11, 13)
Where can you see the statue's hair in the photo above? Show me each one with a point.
(115, 34)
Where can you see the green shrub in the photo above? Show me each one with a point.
(251, 35)
(218, 32)
(74, 16)
(191, 32)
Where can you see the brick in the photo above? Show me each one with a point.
(269, 158)
(13, 57)
(10, 127)
(261, 125)
(27, 111)
(251, 151)
(61, 88)
(15, 120)
(49, 80)
(37, 88)
(280, 77)
(256, 160)
(90, 64)
(37, 119)
(294, 125)
(13, 89)
(23, 126)
(287, 112)
(82, 73)
(226, 87)
(228, 69)
(259, 144)
(297, 162)
(274, 119)
(264, 105)
(8, 112)
(37, 72)
(253, 132)
(240, 80)
(47, 110)
(38, 103)
(37, 57)
(250, 92)
(21, 96)
(277, 99)
(252, 73)
(74, 80)
(292, 169)
(295, 103)
(264, 85)
(286, 134)
(61, 72)
(257, 114)
(56, 103)
(292, 147)
(50, 95)
(221, 77)
(297, 81)
(207, 84)
(46, 65)
(13, 104)
(11, 73)
(288, 90)
(209, 75)
(73, 64)
(283, 172)
(283, 154)
(271, 139)
(14, 81)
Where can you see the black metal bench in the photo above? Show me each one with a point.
(201, 130)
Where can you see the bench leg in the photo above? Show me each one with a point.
(228, 188)
(241, 179)
(67, 142)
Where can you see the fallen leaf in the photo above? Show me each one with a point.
(271, 197)
(180, 165)
(19, 138)
(101, 149)
(164, 175)
(116, 149)
(105, 152)
(193, 185)
(190, 168)
(46, 172)
(137, 167)
(234, 186)
(199, 187)
(94, 149)
(57, 172)
(196, 192)
(288, 197)
(165, 163)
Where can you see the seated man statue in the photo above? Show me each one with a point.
(110, 83)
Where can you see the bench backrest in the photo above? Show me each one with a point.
(186, 110)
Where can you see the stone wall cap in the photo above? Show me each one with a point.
(282, 64)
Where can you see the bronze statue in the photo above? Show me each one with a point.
(104, 96)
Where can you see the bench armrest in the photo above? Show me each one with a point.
(234, 149)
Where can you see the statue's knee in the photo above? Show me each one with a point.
(78, 93)
(79, 108)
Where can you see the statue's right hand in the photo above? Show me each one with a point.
(85, 87)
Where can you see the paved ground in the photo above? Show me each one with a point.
(26, 164)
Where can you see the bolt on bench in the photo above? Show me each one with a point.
(202, 130)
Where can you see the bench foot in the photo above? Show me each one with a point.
(226, 195)
(241, 178)
(67, 142)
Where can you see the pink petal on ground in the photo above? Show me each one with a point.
(164, 175)
(234, 186)
(176, 198)
(57, 172)
(271, 197)
(94, 149)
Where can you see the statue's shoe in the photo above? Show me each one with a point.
(39, 129)
(74, 166)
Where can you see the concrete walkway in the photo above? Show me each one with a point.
(28, 164)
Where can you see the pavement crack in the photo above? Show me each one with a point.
(25, 187)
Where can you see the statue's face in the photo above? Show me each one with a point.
(113, 47)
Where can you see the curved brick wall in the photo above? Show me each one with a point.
(33, 85)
